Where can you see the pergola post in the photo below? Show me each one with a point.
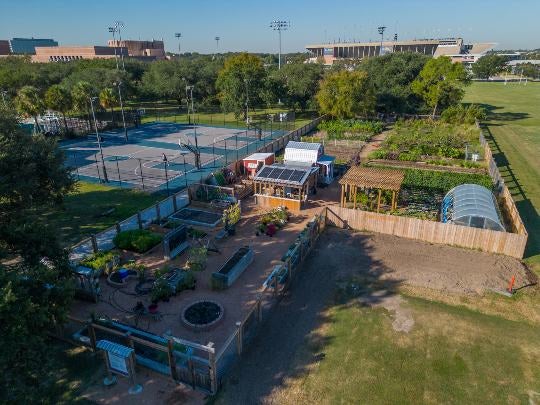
(393, 200)
(354, 197)
(379, 200)
(343, 195)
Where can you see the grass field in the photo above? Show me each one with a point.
(452, 355)
(83, 211)
(514, 123)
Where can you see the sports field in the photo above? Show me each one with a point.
(157, 156)
(514, 123)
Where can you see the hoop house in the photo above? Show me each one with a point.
(471, 205)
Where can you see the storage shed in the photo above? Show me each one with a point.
(471, 205)
(253, 163)
(306, 153)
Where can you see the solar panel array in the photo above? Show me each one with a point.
(282, 174)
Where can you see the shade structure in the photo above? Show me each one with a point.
(471, 205)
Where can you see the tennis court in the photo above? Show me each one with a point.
(158, 156)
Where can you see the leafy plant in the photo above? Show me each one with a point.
(232, 214)
(351, 129)
(137, 240)
(442, 181)
(160, 291)
(197, 257)
(100, 260)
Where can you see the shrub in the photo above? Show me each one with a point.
(137, 240)
(160, 291)
(442, 181)
(351, 129)
(99, 260)
(459, 114)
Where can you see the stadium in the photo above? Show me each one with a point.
(455, 48)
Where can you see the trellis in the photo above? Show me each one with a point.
(368, 178)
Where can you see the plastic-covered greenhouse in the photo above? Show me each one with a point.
(471, 205)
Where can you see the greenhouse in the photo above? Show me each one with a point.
(471, 205)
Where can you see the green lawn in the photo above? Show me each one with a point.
(83, 211)
(514, 123)
(452, 355)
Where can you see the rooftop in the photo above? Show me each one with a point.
(373, 177)
(284, 174)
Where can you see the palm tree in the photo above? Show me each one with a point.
(57, 98)
(29, 102)
(81, 93)
(107, 99)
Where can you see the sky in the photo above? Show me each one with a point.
(244, 25)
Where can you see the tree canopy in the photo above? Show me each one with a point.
(299, 83)
(240, 81)
(392, 75)
(35, 290)
(488, 66)
(346, 94)
(441, 83)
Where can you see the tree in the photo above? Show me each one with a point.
(346, 94)
(441, 83)
(57, 98)
(81, 93)
(529, 70)
(300, 82)
(392, 75)
(29, 102)
(35, 288)
(240, 81)
(488, 66)
(108, 99)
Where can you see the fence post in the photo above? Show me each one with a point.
(118, 228)
(92, 335)
(239, 338)
(259, 308)
(172, 359)
(213, 367)
(158, 215)
(275, 285)
(139, 220)
(174, 203)
(94, 243)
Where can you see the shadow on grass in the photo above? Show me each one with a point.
(526, 209)
(337, 273)
(494, 115)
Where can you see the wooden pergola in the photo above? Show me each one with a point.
(358, 177)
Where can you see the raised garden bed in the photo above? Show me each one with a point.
(137, 240)
(233, 268)
(197, 217)
(202, 315)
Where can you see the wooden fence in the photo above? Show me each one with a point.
(271, 292)
(510, 244)
(503, 193)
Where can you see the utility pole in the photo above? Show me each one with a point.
(122, 109)
(113, 30)
(279, 26)
(104, 169)
(189, 88)
(381, 32)
(178, 35)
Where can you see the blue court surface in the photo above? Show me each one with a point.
(155, 157)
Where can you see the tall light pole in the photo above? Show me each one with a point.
(279, 26)
(247, 101)
(381, 32)
(118, 25)
(113, 31)
(178, 35)
(217, 44)
(119, 83)
(189, 88)
(104, 169)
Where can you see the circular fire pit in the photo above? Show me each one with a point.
(202, 315)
